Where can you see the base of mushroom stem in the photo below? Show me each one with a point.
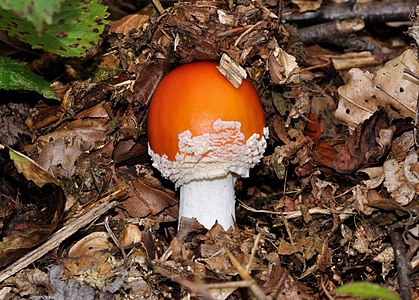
(209, 200)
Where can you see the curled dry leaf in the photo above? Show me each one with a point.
(368, 199)
(147, 78)
(29, 282)
(360, 199)
(147, 200)
(367, 145)
(130, 235)
(376, 175)
(283, 67)
(91, 255)
(403, 145)
(402, 178)
(364, 92)
(32, 204)
(134, 21)
(61, 149)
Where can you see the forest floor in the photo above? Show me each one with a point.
(332, 202)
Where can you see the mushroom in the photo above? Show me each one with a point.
(203, 134)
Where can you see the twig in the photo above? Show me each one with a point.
(280, 285)
(241, 37)
(297, 214)
(328, 296)
(57, 238)
(253, 252)
(254, 288)
(287, 227)
(402, 265)
(327, 32)
(114, 239)
(158, 6)
(227, 285)
(386, 11)
(355, 43)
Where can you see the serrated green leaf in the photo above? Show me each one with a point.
(36, 12)
(366, 290)
(16, 76)
(74, 30)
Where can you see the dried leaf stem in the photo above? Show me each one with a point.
(254, 288)
(296, 214)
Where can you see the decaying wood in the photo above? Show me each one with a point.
(232, 71)
(350, 60)
(385, 11)
(57, 238)
(327, 32)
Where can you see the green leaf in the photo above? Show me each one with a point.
(36, 12)
(16, 76)
(366, 290)
(74, 30)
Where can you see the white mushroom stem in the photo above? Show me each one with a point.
(209, 200)
(206, 168)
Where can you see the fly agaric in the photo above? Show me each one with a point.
(203, 134)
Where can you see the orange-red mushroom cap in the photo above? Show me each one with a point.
(197, 115)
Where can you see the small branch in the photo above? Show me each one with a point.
(114, 239)
(253, 252)
(297, 214)
(402, 265)
(327, 32)
(387, 11)
(158, 6)
(254, 288)
(355, 43)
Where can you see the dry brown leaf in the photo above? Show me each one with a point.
(402, 178)
(137, 21)
(368, 144)
(283, 67)
(364, 92)
(130, 235)
(61, 148)
(403, 145)
(376, 175)
(90, 253)
(285, 248)
(29, 282)
(374, 199)
(146, 200)
(360, 199)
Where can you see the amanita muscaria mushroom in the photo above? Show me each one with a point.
(203, 134)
